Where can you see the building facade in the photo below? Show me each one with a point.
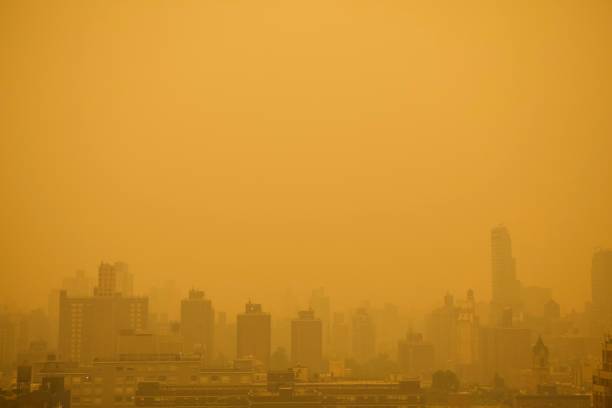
(253, 334)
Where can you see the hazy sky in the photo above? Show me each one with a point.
(246, 147)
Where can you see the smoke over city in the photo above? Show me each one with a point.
(365, 203)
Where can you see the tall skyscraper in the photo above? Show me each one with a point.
(253, 332)
(225, 337)
(197, 325)
(340, 337)
(442, 331)
(601, 283)
(321, 305)
(363, 336)
(506, 287)
(307, 341)
(467, 331)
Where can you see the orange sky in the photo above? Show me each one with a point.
(250, 146)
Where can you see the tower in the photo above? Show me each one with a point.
(253, 332)
(505, 286)
(363, 336)
(197, 325)
(307, 341)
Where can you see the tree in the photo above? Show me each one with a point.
(445, 381)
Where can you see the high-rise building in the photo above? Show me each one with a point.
(225, 338)
(307, 341)
(363, 335)
(253, 334)
(340, 337)
(504, 351)
(8, 340)
(601, 283)
(467, 330)
(415, 356)
(321, 305)
(114, 279)
(197, 325)
(442, 332)
(505, 285)
(89, 326)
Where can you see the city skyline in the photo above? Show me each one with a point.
(255, 203)
(300, 293)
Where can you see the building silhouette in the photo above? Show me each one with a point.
(77, 286)
(253, 334)
(89, 326)
(506, 288)
(467, 334)
(198, 325)
(415, 356)
(601, 285)
(114, 279)
(363, 336)
(307, 341)
(321, 305)
(442, 332)
(340, 337)
(602, 380)
(504, 351)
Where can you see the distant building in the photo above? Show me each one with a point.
(539, 376)
(442, 332)
(225, 337)
(504, 351)
(78, 286)
(8, 340)
(124, 279)
(89, 326)
(602, 380)
(340, 337)
(253, 332)
(415, 357)
(281, 390)
(198, 325)
(321, 305)
(114, 279)
(601, 284)
(552, 310)
(307, 341)
(363, 336)
(534, 300)
(467, 337)
(113, 382)
(553, 401)
(50, 394)
(505, 285)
